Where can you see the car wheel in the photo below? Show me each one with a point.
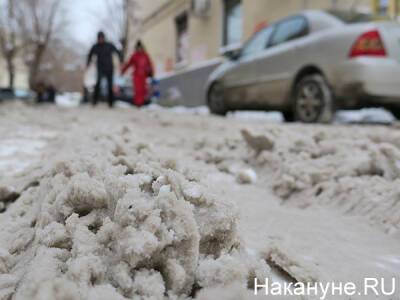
(313, 100)
(396, 112)
(216, 101)
(288, 116)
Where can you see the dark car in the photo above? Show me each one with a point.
(123, 91)
(11, 94)
(6, 94)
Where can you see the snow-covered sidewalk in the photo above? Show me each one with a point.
(156, 204)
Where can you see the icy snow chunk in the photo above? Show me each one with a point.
(122, 277)
(192, 191)
(4, 261)
(8, 284)
(104, 292)
(8, 194)
(56, 289)
(221, 271)
(55, 235)
(247, 176)
(22, 239)
(258, 143)
(149, 284)
(81, 195)
(239, 267)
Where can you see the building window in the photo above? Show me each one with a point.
(182, 41)
(233, 22)
(383, 7)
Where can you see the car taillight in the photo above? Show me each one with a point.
(368, 44)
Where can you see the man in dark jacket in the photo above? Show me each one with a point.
(104, 51)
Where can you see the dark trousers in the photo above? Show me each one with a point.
(110, 78)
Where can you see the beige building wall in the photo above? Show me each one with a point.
(159, 32)
(258, 13)
(163, 51)
(3, 73)
(262, 12)
(148, 7)
(394, 8)
(21, 76)
(205, 33)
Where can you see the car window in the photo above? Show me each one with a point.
(259, 42)
(289, 30)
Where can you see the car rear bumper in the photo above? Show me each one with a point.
(374, 80)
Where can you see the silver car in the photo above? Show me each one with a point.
(311, 64)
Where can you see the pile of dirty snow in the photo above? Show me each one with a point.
(106, 219)
(177, 204)
(356, 172)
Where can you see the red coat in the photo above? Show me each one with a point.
(142, 68)
(141, 63)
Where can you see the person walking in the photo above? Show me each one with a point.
(104, 51)
(142, 69)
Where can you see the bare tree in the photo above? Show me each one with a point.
(62, 65)
(9, 45)
(123, 21)
(40, 21)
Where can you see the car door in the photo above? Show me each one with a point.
(241, 81)
(276, 66)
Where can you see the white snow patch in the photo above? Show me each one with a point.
(366, 115)
(69, 99)
(270, 117)
(199, 110)
(17, 154)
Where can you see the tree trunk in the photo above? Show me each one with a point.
(35, 66)
(33, 74)
(124, 49)
(11, 72)
(126, 29)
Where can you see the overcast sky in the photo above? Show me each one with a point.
(85, 16)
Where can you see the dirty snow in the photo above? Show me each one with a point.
(155, 204)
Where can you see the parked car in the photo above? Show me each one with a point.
(123, 90)
(11, 94)
(6, 94)
(310, 64)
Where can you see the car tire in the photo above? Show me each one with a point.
(288, 116)
(313, 100)
(216, 101)
(396, 113)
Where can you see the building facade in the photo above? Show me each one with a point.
(183, 33)
(21, 74)
(389, 8)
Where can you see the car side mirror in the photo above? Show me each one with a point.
(233, 54)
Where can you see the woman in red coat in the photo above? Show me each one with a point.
(142, 69)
